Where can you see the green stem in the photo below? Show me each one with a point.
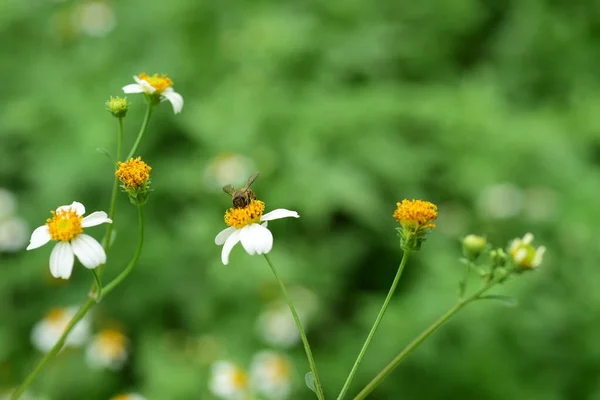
(81, 313)
(135, 258)
(98, 285)
(384, 307)
(54, 350)
(113, 197)
(420, 339)
(462, 284)
(142, 130)
(311, 360)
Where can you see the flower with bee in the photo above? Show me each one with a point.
(247, 223)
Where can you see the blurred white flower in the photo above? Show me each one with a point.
(524, 254)
(128, 396)
(46, 333)
(245, 226)
(108, 349)
(275, 324)
(13, 234)
(156, 85)
(228, 169)
(500, 201)
(8, 203)
(66, 227)
(271, 375)
(94, 18)
(228, 381)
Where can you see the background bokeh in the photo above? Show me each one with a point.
(345, 107)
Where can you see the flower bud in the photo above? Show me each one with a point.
(117, 106)
(498, 258)
(473, 246)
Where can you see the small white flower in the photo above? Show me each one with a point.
(94, 18)
(248, 225)
(271, 375)
(108, 349)
(46, 333)
(276, 326)
(66, 227)
(156, 85)
(524, 254)
(228, 381)
(13, 234)
(128, 396)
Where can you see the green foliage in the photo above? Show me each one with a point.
(345, 107)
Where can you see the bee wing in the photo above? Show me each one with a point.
(228, 189)
(251, 180)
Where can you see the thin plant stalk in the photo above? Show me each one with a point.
(420, 339)
(142, 130)
(378, 319)
(83, 309)
(288, 299)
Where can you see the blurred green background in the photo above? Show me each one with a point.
(345, 107)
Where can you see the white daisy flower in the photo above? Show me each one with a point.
(128, 396)
(160, 86)
(108, 349)
(271, 375)
(66, 227)
(249, 226)
(524, 254)
(228, 381)
(13, 234)
(46, 333)
(276, 326)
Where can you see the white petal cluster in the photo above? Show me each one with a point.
(228, 381)
(168, 94)
(46, 333)
(271, 375)
(107, 350)
(255, 238)
(524, 254)
(87, 249)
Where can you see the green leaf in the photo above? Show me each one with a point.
(309, 379)
(506, 300)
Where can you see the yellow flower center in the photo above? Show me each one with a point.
(64, 225)
(240, 217)
(158, 82)
(121, 397)
(112, 342)
(279, 368)
(239, 380)
(56, 316)
(133, 173)
(416, 214)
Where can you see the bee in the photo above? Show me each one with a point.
(242, 197)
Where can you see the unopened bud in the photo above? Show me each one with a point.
(473, 246)
(117, 106)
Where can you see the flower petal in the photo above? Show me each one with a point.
(145, 87)
(75, 206)
(39, 237)
(228, 246)
(279, 213)
(89, 252)
(256, 239)
(175, 98)
(133, 88)
(95, 218)
(223, 235)
(61, 260)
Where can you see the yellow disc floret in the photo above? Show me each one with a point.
(158, 82)
(416, 213)
(56, 316)
(112, 342)
(64, 225)
(133, 173)
(240, 217)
